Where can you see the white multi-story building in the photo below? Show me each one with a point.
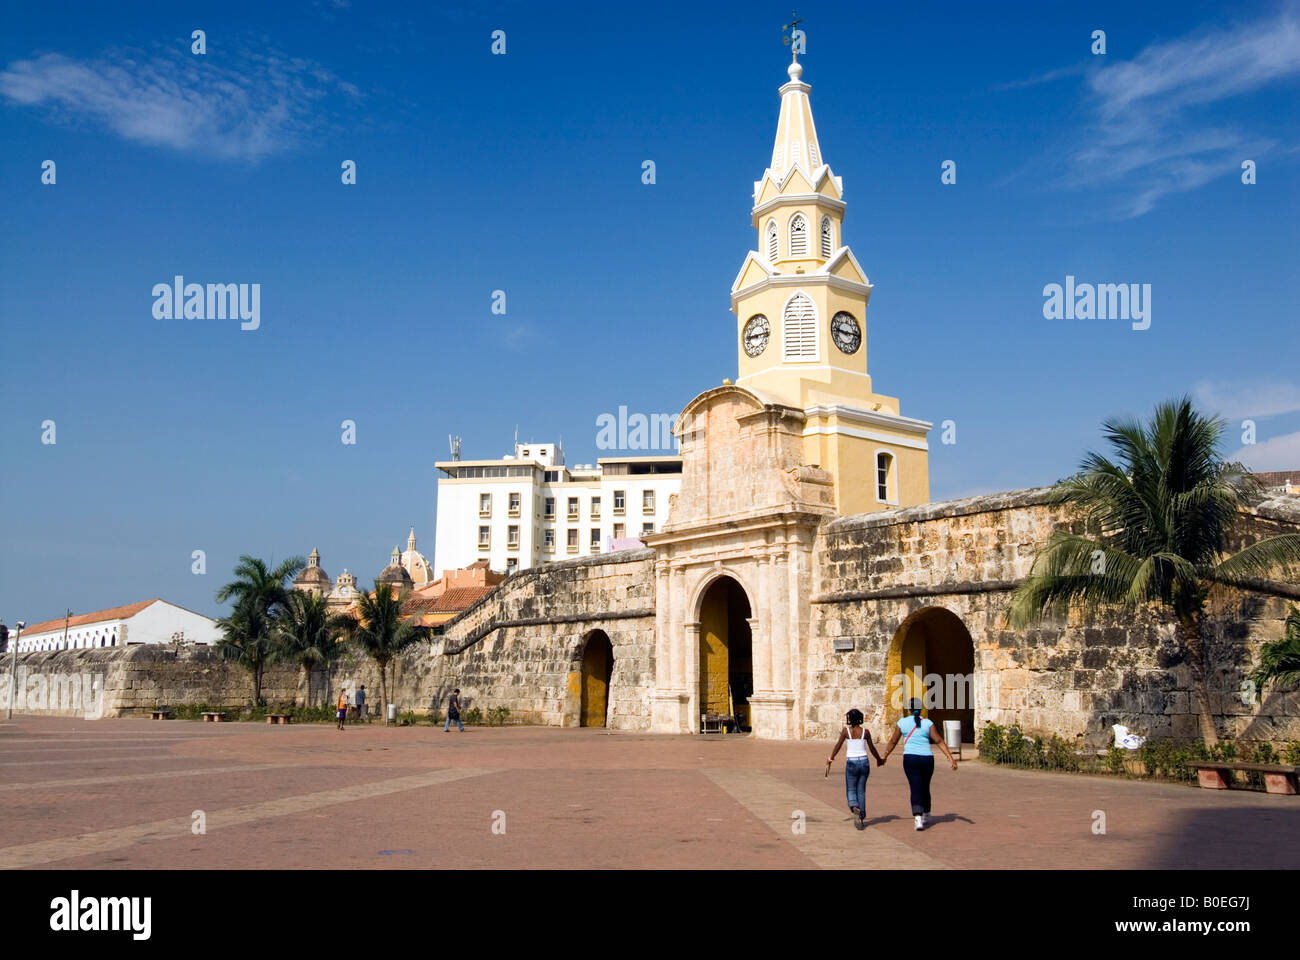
(149, 621)
(526, 509)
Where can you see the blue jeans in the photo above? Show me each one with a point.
(855, 782)
(447, 725)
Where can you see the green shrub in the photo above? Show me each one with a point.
(1115, 757)
(496, 716)
(1291, 754)
(472, 716)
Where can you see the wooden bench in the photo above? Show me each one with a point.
(279, 718)
(211, 716)
(1216, 774)
(718, 721)
(161, 715)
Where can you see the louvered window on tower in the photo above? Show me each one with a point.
(777, 157)
(799, 329)
(798, 236)
(826, 238)
(813, 155)
(771, 241)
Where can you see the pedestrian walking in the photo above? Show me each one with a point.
(361, 702)
(453, 712)
(343, 706)
(856, 765)
(918, 736)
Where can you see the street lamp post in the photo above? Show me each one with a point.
(13, 667)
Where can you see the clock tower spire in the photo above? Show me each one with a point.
(800, 302)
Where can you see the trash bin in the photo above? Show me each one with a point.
(392, 713)
(952, 736)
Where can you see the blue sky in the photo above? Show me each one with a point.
(522, 173)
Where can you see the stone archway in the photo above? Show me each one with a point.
(726, 649)
(597, 676)
(932, 658)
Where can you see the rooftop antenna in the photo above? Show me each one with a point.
(454, 443)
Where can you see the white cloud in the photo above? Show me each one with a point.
(1276, 453)
(244, 108)
(1150, 133)
(1253, 400)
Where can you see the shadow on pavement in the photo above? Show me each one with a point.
(1235, 838)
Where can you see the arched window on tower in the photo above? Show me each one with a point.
(886, 480)
(827, 249)
(798, 236)
(799, 329)
(772, 251)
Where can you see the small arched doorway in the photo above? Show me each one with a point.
(726, 652)
(597, 673)
(932, 658)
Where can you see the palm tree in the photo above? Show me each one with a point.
(381, 631)
(246, 639)
(306, 633)
(1162, 512)
(1279, 661)
(260, 596)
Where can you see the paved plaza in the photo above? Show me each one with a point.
(124, 794)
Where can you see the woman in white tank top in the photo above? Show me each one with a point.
(856, 765)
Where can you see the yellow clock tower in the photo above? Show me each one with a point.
(800, 302)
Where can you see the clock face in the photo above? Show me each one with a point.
(845, 332)
(756, 334)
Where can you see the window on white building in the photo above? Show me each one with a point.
(573, 508)
(485, 504)
(573, 540)
(515, 501)
(595, 508)
(647, 501)
(620, 531)
(620, 502)
(647, 528)
(548, 538)
(512, 536)
(595, 538)
(550, 508)
(484, 536)
(512, 564)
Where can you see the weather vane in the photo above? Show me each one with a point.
(791, 41)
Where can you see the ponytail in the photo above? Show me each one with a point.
(916, 713)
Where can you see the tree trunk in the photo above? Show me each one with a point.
(257, 685)
(1191, 628)
(383, 690)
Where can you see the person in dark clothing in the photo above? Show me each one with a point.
(453, 712)
(919, 738)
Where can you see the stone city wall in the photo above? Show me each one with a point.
(1065, 677)
(521, 646)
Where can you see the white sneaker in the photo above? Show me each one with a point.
(920, 821)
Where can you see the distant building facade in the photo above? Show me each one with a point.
(523, 510)
(149, 621)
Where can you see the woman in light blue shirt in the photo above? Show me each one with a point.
(917, 734)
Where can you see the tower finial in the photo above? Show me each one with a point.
(792, 41)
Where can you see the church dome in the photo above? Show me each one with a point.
(313, 578)
(415, 564)
(395, 573)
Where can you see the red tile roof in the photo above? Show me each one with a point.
(80, 620)
(1277, 478)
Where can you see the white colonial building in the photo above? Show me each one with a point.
(149, 621)
(526, 509)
